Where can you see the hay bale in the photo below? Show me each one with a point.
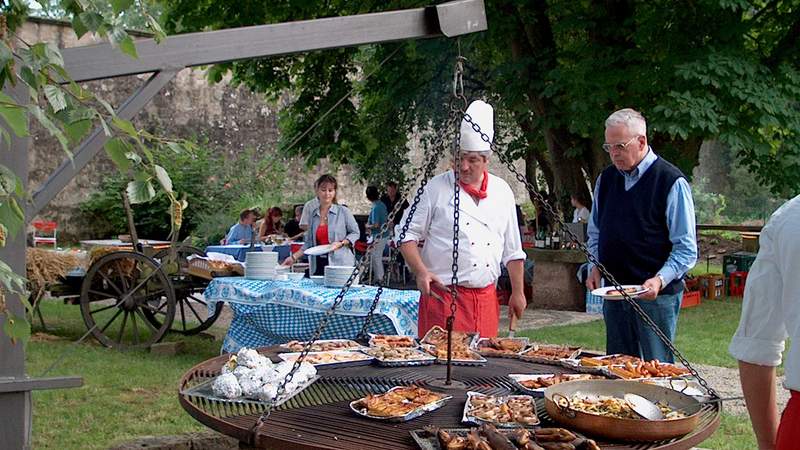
(44, 267)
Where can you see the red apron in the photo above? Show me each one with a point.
(477, 310)
(789, 429)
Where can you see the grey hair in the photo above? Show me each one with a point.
(631, 118)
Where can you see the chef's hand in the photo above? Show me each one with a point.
(655, 287)
(593, 281)
(426, 281)
(517, 304)
(289, 260)
(337, 245)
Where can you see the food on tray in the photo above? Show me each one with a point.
(249, 374)
(397, 354)
(398, 402)
(461, 353)
(438, 336)
(329, 357)
(627, 290)
(550, 352)
(488, 437)
(392, 340)
(610, 360)
(604, 405)
(518, 409)
(545, 382)
(322, 346)
(502, 345)
(649, 369)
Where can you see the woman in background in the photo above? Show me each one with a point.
(272, 223)
(580, 204)
(332, 224)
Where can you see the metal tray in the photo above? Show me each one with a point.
(372, 336)
(466, 418)
(488, 351)
(576, 366)
(425, 359)
(538, 392)
(355, 348)
(540, 360)
(607, 372)
(405, 418)
(602, 357)
(472, 338)
(425, 440)
(204, 390)
(458, 362)
(362, 362)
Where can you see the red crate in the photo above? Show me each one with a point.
(690, 299)
(736, 283)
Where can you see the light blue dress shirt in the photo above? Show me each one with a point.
(239, 232)
(680, 221)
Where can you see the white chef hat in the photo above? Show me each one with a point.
(483, 115)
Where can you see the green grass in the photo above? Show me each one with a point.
(125, 394)
(704, 332)
(734, 433)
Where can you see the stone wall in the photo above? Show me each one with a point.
(229, 118)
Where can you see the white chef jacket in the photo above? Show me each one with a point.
(488, 232)
(771, 309)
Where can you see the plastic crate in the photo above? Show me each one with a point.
(742, 260)
(712, 286)
(690, 299)
(594, 304)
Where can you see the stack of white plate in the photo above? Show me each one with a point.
(336, 276)
(261, 265)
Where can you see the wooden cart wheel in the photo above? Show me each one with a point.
(191, 309)
(117, 290)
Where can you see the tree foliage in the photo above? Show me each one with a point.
(723, 69)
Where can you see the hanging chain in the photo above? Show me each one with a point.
(458, 94)
(307, 346)
(430, 162)
(592, 259)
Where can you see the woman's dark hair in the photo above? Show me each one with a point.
(270, 227)
(580, 197)
(246, 212)
(372, 193)
(325, 179)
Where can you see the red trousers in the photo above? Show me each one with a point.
(789, 429)
(477, 310)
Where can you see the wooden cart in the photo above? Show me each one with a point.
(131, 298)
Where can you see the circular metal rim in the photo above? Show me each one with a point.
(264, 441)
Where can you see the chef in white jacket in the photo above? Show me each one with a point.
(488, 236)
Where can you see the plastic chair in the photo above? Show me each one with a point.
(44, 232)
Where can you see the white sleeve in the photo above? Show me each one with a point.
(420, 222)
(512, 244)
(772, 280)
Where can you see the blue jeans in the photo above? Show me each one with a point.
(627, 333)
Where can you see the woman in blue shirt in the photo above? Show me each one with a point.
(330, 224)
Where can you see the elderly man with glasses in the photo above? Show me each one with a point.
(642, 229)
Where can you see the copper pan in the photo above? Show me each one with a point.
(613, 428)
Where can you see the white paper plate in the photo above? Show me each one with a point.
(603, 292)
(319, 250)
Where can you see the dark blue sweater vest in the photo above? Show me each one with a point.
(634, 239)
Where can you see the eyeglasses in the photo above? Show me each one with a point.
(618, 146)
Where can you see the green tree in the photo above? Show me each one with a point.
(724, 69)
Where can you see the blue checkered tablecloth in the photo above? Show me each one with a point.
(239, 251)
(273, 312)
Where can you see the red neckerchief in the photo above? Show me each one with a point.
(477, 194)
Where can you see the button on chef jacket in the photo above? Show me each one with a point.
(488, 232)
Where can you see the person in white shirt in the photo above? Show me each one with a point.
(770, 315)
(581, 213)
(488, 236)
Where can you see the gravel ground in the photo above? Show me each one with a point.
(726, 382)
